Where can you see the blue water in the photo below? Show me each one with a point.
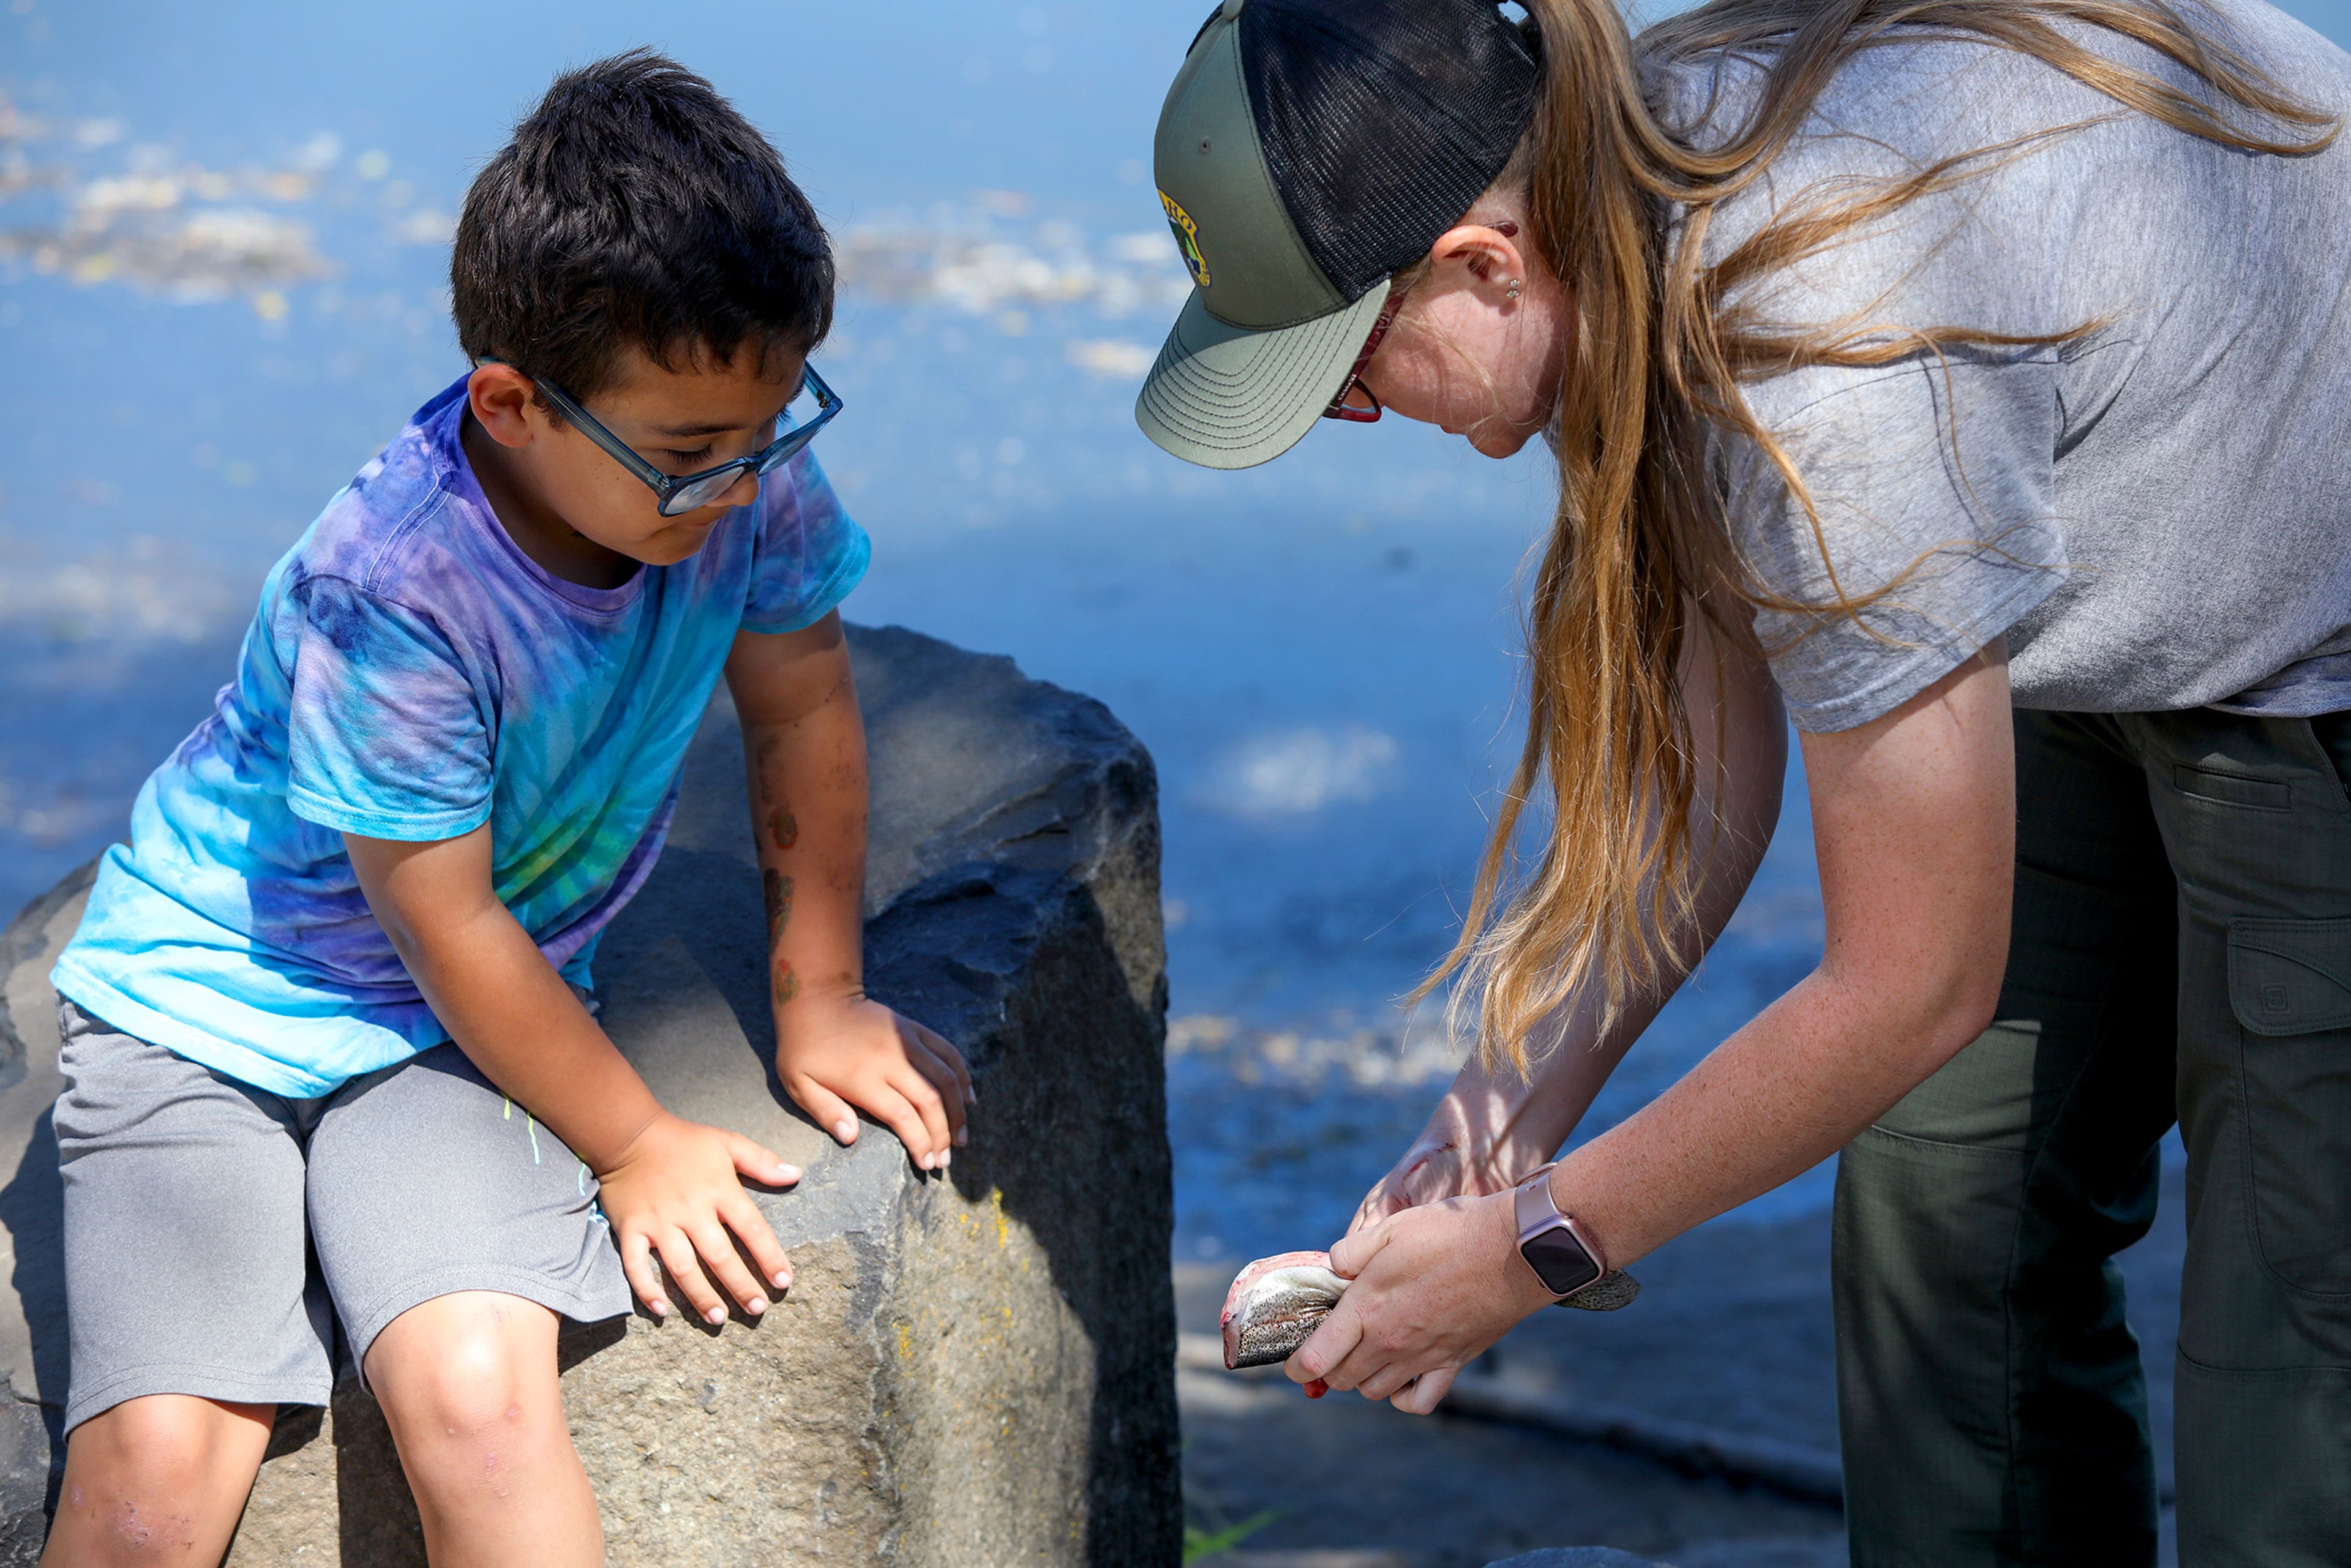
(223, 236)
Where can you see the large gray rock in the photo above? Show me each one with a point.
(972, 1368)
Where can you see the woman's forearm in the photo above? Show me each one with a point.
(1914, 821)
(1914, 818)
(1784, 1094)
(1502, 1124)
(1499, 1124)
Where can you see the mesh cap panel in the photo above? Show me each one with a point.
(1382, 121)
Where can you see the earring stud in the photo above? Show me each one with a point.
(1512, 291)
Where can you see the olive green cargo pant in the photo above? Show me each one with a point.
(2182, 943)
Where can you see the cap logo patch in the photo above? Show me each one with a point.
(1187, 235)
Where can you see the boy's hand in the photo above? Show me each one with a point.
(673, 1193)
(839, 1057)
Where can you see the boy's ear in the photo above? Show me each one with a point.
(501, 400)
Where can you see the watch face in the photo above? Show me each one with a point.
(1560, 1261)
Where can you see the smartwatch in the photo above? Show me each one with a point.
(1562, 1256)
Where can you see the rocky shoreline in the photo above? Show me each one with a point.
(976, 1366)
(1697, 1429)
(991, 1363)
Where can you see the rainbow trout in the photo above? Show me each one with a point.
(1276, 1305)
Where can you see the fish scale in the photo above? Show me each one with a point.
(1274, 1306)
(1276, 1303)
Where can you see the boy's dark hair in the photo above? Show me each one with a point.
(634, 205)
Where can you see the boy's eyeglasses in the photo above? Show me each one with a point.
(685, 492)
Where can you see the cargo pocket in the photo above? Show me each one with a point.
(2290, 987)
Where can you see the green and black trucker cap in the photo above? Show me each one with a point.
(1310, 150)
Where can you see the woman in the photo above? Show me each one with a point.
(1966, 380)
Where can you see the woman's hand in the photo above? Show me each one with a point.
(674, 1195)
(837, 1057)
(1434, 1286)
(1439, 1165)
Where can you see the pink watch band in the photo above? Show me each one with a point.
(1537, 1214)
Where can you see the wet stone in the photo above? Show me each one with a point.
(975, 1366)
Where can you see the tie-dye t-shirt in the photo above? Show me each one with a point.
(412, 674)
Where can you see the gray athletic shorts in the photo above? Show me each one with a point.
(214, 1232)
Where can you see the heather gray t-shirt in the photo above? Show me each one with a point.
(2157, 515)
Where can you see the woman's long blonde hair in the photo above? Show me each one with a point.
(1659, 354)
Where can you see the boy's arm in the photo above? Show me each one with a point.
(668, 1185)
(836, 1051)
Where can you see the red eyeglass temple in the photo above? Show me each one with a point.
(1340, 408)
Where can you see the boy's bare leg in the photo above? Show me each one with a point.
(164, 1476)
(467, 1382)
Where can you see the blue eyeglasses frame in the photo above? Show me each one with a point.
(681, 493)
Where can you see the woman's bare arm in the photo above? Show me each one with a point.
(1915, 822)
(1489, 1128)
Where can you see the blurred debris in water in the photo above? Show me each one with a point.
(151, 219)
(196, 233)
(964, 259)
(1279, 1132)
(1411, 1055)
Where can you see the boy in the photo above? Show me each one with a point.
(357, 911)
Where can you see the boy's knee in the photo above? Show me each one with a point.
(474, 1387)
(151, 1471)
(175, 1432)
(467, 1394)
